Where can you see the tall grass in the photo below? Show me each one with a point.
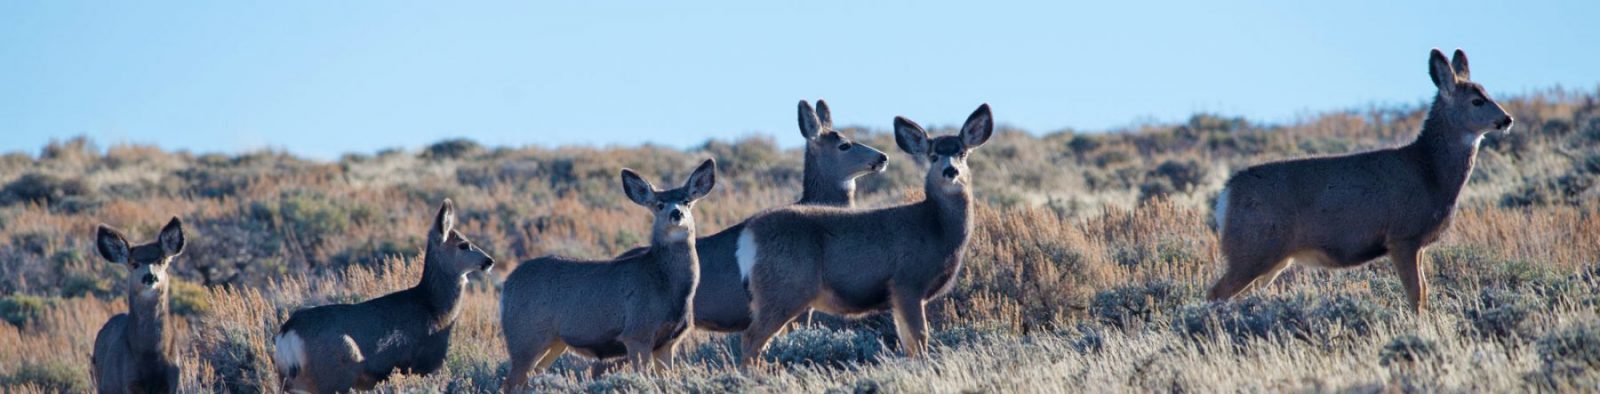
(1084, 273)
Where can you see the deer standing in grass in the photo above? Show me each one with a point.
(134, 352)
(852, 262)
(334, 348)
(1344, 211)
(832, 164)
(638, 305)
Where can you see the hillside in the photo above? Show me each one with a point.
(1086, 272)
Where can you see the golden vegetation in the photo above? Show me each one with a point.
(1084, 274)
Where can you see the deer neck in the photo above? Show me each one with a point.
(440, 289)
(820, 190)
(678, 262)
(147, 323)
(954, 211)
(1447, 156)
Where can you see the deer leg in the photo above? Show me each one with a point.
(639, 355)
(769, 316)
(1243, 272)
(550, 356)
(1407, 260)
(524, 358)
(911, 323)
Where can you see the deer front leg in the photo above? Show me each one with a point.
(911, 323)
(1408, 264)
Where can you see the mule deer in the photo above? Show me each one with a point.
(134, 351)
(832, 164)
(638, 305)
(851, 262)
(334, 348)
(1344, 211)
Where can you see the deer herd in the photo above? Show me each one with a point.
(822, 253)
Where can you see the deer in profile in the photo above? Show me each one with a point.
(637, 306)
(1345, 211)
(832, 164)
(334, 348)
(851, 262)
(134, 352)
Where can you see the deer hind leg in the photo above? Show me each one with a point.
(640, 356)
(526, 358)
(1408, 263)
(1247, 273)
(767, 318)
(911, 323)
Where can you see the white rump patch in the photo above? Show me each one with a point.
(745, 253)
(1221, 211)
(289, 353)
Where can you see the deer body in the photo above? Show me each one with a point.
(852, 262)
(638, 305)
(1345, 211)
(334, 348)
(832, 164)
(134, 352)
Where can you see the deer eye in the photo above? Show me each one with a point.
(846, 146)
(464, 246)
(660, 206)
(1477, 102)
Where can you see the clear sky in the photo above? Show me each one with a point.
(326, 77)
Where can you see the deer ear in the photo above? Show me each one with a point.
(112, 245)
(810, 125)
(1439, 69)
(824, 115)
(702, 180)
(980, 125)
(637, 189)
(171, 238)
(910, 137)
(443, 222)
(1458, 62)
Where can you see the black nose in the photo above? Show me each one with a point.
(488, 264)
(951, 172)
(148, 279)
(882, 160)
(1503, 123)
(676, 215)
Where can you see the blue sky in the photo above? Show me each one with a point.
(323, 78)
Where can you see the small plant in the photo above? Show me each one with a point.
(21, 309)
(454, 148)
(55, 376)
(823, 347)
(1121, 306)
(1573, 350)
(1502, 316)
(1408, 350)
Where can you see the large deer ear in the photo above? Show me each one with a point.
(810, 125)
(1444, 77)
(824, 115)
(443, 222)
(637, 189)
(702, 180)
(911, 137)
(980, 125)
(171, 238)
(111, 244)
(1458, 62)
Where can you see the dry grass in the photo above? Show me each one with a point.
(1084, 274)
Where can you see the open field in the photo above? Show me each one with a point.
(1085, 273)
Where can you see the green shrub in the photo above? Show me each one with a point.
(1123, 305)
(454, 148)
(1573, 350)
(1501, 315)
(1408, 350)
(21, 309)
(43, 188)
(189, 299)
(825, 347)
(55, 376)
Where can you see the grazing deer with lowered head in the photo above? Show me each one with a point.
(334, 348)
(832, 164)
(637, 305)
(134, 352)
(1344, 211)
(851, 261)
